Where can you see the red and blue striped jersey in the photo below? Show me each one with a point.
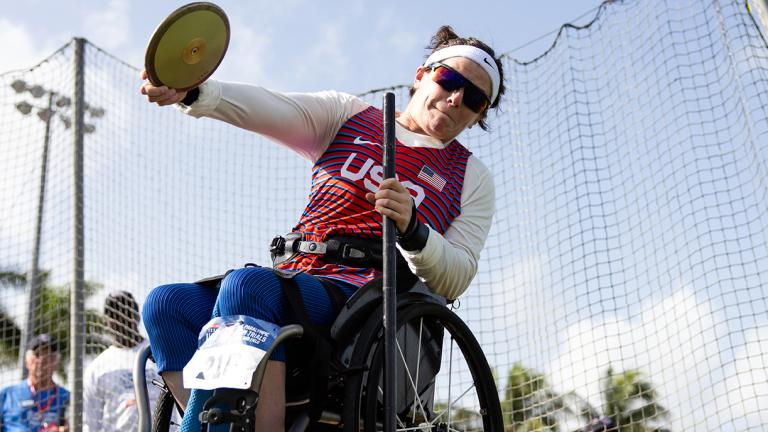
(351, 167)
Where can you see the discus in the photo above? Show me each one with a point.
(188, 46)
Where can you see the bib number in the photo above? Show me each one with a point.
(229, 351)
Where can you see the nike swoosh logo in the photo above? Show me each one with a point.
(360, 140)
(485, 59)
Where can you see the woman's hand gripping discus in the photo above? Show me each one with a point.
(160, 95)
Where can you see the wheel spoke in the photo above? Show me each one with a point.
(399, 422)
(418, 364)
(451, 403)
(416, 397)
(442, 340)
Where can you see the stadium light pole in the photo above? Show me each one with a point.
(58, 106)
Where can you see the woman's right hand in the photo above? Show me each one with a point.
(160, 95)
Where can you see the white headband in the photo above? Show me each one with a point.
(475, 54)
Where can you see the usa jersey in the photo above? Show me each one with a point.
(350, 168)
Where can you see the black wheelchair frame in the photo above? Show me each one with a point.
(352, 396)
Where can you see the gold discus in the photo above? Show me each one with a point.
(188, 46)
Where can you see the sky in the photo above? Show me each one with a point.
(352, 46)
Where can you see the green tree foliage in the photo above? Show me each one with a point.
(462, 419)
(10, 332)
(632, 403)
(531, 405)
(52, 316)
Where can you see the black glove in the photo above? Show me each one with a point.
(415, 235)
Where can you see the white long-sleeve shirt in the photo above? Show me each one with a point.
(109, 401)
(308, 122)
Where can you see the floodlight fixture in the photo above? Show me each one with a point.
(97, 112)
(37, 91)
(19, 85)
(63, 101)
(24, 107)
(45, 114)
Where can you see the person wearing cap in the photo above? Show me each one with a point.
(36, 403)
(109, 401)
(441, 201)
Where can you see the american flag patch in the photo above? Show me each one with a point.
(430, 176)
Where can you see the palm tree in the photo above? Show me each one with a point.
(10, 333)
(531, 405)
(631, 402)
(51, 316)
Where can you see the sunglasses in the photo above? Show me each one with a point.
(450, 80)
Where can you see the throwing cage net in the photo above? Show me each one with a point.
(625, 275)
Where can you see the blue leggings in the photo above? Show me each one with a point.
(174, 314)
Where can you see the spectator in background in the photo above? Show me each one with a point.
(37, 403)
(109, 399)
(603, 424)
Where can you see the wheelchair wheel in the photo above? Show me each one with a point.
(161, 417)
(443, 379)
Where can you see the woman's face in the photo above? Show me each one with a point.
(437, 112)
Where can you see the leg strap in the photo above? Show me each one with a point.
(315, 345)
(234, 406)
(338, 298)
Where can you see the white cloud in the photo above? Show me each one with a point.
(326, 59)
(20, 50)
(404, 42)
(746, 380)
(523, 291)
(248, 54)
(110, 27)
(682, 346)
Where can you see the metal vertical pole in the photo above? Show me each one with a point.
(33, 277)
(390, 284)
(77, 296)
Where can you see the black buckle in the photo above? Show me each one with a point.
(277, 247)
(233, 406)
(352, 253)
(284, 248)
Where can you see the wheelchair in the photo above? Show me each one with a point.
(443, 380)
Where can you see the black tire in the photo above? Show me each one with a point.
(432, 333)
(161, 417)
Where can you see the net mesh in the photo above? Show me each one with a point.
(624, 277)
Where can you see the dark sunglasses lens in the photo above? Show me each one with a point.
(451, 80)
(448, 79)
(474, 99)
